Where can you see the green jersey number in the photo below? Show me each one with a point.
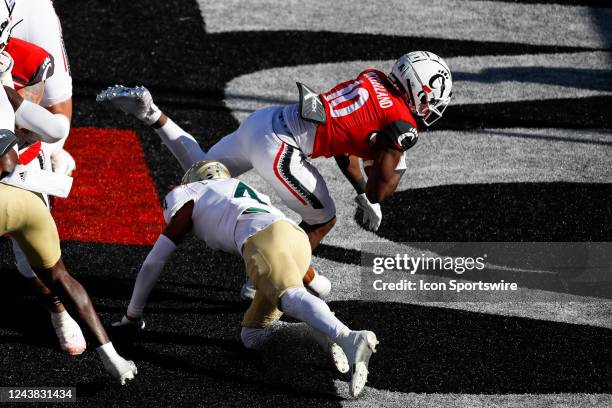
(242, 190)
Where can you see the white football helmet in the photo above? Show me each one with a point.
(427, 81)
(6, 11)
(206, 170)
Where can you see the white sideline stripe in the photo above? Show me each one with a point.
(383, 398)
(476, 79)
(550, 24)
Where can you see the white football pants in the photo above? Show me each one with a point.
(256, 145)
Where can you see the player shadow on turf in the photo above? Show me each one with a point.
(291, 368)
(288, 367)
(499, 212)
(437, 350)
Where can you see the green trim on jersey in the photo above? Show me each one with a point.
(253, 210)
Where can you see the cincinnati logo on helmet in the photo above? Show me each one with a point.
(438, 80)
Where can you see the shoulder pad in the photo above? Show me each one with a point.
(311, 107)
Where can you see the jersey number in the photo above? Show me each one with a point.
(351, 93)
(242, 190)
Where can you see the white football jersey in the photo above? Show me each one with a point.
(225, 213)
(40, 25)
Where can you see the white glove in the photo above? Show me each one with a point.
(121, 369)
(372, 215)
(6, 66)
(118, 367)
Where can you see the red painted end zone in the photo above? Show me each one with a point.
(113, 199)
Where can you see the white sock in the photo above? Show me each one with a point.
(301, 305)
(183, 146)
(152, 115)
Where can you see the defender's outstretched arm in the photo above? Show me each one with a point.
(151, 269)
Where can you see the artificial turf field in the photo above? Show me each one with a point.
(522, 154)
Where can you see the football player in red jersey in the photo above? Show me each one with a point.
(37, 22)
(373, 117)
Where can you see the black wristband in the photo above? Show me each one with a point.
(359, 185)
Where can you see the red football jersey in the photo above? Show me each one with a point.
(32, 64)
(359, 108)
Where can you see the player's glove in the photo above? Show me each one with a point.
(372, 215)
(117, 366)
(6, 66)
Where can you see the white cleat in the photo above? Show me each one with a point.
(319, 286)
(62, 162)
(335, 351)
(68, 333)
(247, 291)
(358, 347)
(338, 357)
(131, 324)
(136, 101)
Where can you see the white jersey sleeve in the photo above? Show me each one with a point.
(175, 200)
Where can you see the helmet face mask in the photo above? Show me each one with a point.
(427, 81)
(206, 170)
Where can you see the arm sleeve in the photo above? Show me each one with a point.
(399, 135)
(149, 273)
(50, 127)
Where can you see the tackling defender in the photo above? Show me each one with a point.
(25, 217)
(231, 216)
(373, 117)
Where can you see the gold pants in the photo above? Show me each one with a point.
(26, 218)
(276, 259)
